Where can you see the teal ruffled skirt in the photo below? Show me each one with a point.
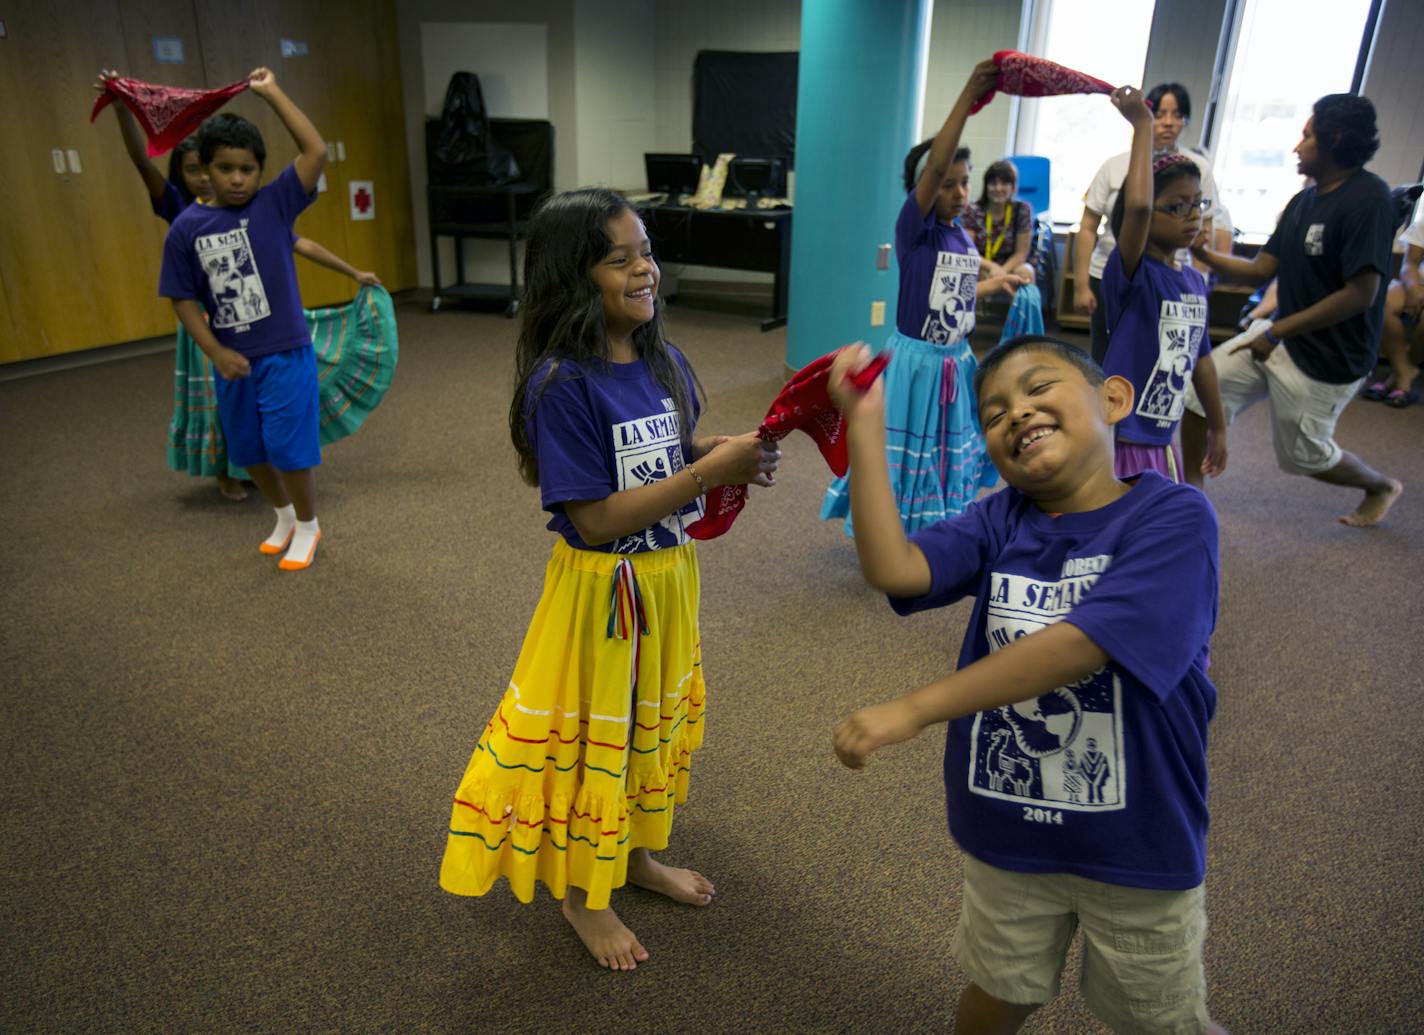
(356, 352)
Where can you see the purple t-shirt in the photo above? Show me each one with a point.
(170, 205)
(237, 261)
(1105, 778)
(939, 274)
(1156, 335)
(597, 430)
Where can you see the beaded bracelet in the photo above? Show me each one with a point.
(701, 485)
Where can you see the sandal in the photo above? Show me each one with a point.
(1399, 398)
(1376, 391)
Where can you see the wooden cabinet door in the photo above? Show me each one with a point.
(78, 250)
(310, 80)
(9, 340)
(370, 126)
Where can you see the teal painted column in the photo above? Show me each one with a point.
(860, 94)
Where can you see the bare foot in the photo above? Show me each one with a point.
(678, 884)
(602, 933)
(1375, 506)
(231, 489)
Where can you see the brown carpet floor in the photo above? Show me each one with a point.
(226, 789)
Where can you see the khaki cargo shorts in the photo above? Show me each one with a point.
(1142, 949)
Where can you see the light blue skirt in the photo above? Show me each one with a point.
(1025, 315)
(938, 462)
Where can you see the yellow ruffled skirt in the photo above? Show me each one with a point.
(591, 746)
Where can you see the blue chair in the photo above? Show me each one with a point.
(1033, 181)
(1033, 188)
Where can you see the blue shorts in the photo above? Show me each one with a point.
(271, 416)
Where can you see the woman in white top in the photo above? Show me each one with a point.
(1172, 110)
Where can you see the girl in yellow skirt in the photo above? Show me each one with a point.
(574, 779)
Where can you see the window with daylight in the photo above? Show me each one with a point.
(1283, 60)
(1075, 133)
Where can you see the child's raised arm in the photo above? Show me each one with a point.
(133, 142)
(312, 160)
(889, 561)
(1029, 666)
(946, 141)
(1137, 188)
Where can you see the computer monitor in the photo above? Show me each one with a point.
(754, 178)
(672, 174)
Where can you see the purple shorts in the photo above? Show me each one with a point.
(1131, 458)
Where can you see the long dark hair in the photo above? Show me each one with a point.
(1002, 171)
(563, 313)
(175, 167)
(918, 152)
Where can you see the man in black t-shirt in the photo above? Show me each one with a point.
(1330, 254)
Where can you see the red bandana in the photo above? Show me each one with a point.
(166, 113)
(803, 403)
(1026, 76)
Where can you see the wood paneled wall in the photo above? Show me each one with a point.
(80, 251)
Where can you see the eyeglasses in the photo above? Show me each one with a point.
(1183, 209)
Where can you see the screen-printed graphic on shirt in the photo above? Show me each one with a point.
(646, 450)
(1062, 749)
(1181, 327)
(238, 295)
(951, 301)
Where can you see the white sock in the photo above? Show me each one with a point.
(286, 518)
(303, 549)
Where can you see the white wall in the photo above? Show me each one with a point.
(485, 260)
(1394, 80)
(686, 26)
(963, 33)
(511, 60)
(1182, 49)
(615, 82)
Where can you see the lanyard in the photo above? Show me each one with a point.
(992, 245)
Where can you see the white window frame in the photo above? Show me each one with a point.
(1023, 119)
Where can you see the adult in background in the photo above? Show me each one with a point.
(1001, 226)
(1002, 229)
(1330, 255)
(1171, 112)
